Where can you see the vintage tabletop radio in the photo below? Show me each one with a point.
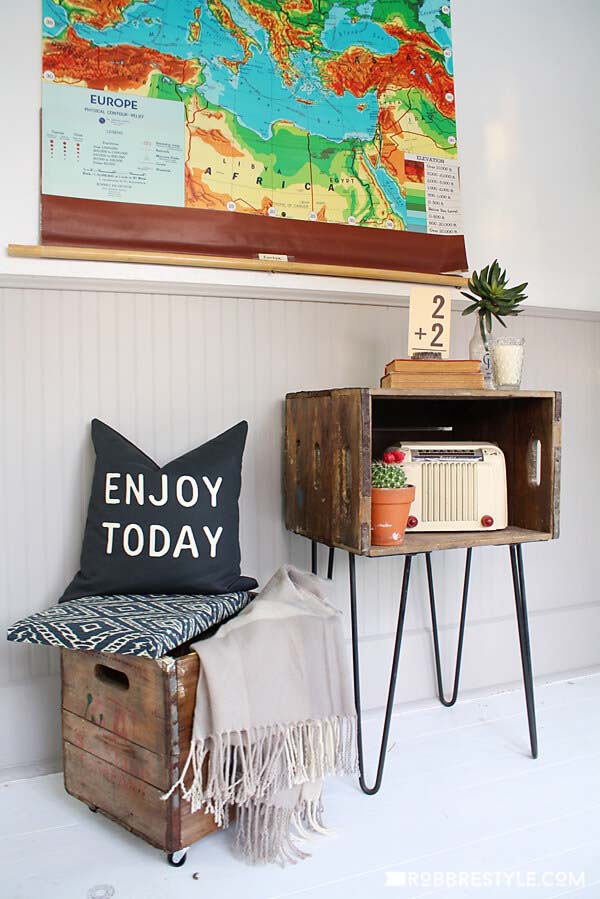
(459, 486)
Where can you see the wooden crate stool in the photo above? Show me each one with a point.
(127, 726)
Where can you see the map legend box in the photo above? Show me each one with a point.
(101, 145)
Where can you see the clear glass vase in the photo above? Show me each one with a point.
(479, 348)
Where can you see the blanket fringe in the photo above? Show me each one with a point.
(249, 767)
(264, 831)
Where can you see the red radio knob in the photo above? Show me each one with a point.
(487, 521)
(412, 521)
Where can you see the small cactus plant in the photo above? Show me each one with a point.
(389, 475)
(391, 498)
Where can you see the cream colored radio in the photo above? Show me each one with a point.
(459, 486)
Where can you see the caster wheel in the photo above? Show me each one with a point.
(93, 808)
(177, 859)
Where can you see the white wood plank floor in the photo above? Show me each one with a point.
(461, 798)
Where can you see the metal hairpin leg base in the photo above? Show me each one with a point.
(516, 561)
(393, 675)
(461, 630)
(516, 558)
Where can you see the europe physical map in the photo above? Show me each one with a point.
(325, 110)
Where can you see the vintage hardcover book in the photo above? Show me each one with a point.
(434, 380)
(428, 366)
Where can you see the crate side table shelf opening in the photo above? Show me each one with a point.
(331, 437)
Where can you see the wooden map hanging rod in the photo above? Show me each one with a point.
(93, 254)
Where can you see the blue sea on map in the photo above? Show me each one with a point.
(340, 32)
(334, 117)
(428, 14)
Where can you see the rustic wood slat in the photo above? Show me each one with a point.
(197, 825)
(136, 713)
(172, 763)
(557, 443)
(133, 803)
(188, 669)
(308, 465)
(426, 392)
(429, 542)
(130, 757)
(533, 505)
(349, 500)
(194, 826)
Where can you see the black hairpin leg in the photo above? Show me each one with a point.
(461, 630)
(330, 563)
(314, 562)
(393, 674)
(516, 558)
(516, 561)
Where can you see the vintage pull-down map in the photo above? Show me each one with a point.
(330, 111)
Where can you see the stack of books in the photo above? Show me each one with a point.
(434, 373)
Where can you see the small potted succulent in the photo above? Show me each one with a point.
(391, 498)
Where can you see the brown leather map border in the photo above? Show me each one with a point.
(67, 221)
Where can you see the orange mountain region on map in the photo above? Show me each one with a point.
(308, 109)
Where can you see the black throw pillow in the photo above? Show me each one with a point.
(173, 529)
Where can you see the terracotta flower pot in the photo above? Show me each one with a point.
(389, 513)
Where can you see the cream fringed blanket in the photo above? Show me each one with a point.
(274, 715)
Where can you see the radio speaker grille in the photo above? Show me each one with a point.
(449, 491)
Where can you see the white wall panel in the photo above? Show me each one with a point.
(169, 372)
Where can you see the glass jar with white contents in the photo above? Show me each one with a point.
(507, 362)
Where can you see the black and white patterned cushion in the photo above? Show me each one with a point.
(142, 625)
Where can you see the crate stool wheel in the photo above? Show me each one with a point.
(179, 858)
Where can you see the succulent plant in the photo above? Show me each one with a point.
(492, 298)
(388, 474)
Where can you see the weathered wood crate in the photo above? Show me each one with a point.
(127, 725)
(332, 436)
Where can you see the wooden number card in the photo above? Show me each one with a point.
(429, 321)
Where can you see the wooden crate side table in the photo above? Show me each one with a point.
(331, 437)
(127, 726)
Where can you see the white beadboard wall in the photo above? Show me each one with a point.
(169, 371)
